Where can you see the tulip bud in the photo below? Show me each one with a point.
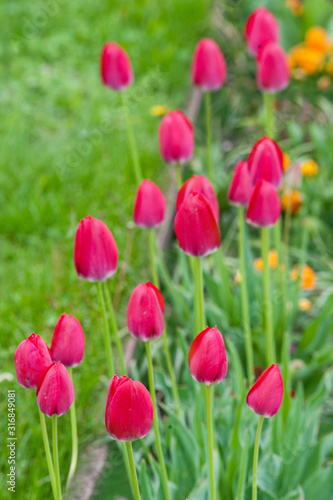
(145, 312)
(129, 409)
(264, 207)
(272, 69)
(261, 27)
(55, 393)
(199, 184)
(207, 357)
(68, 343)
(209, 69)
(95, 252)
(265, 396)
(196, 228)
(32, 357)
(149, 206)
(241, 186)
(176, 138)
(266, 162)
(116, 68)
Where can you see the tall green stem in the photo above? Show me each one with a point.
(56, 455)
(210, 164)
(73, 465)
(244, 296)
(179, 175)
(135, 484)
(48, 453)
(156, 424)
(107, 338)
(270, 345)
(209, 412)
(255, 458)
(151, 241)
(132, 142)
(269, 114)
(199, 291)
(114, 327)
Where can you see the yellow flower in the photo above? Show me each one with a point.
(324, 82)
(308, 277)
(286, 161)
(238, 277)
(295, 6)
(273, 260)
(308, 59)
(316, 38)
(304, 305)
(310, 168)
(291, 201)
(159, 110)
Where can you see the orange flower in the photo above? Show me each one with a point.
(273, 260)
(310, 168)
(316, 38)
(295, 6)
(308, 277)
(286, 161)
(291, 201)
(308, 59)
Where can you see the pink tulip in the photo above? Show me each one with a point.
(209, 69)
(68, 343)
(199, 184)
(32, 357)
(95, 252)
(176, 138)
(261, 27)
(145, 312)
(55, 393)
(273, 73)
(264, 207)
(266, 162)
(207, 357)
(265, 396)
(149, 206)
(129, 409)
(241, 186)
(116, 68)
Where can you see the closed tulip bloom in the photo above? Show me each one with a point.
(149, 205)
(199, 184)
(209, 69)
(129, 409)
(266, 162)
(145, 312)
(241, 186)
(264, 207)
(196, 227)
(207, 357)
(68, 343)
(273, 73)
(32, 357)
(176, 138)
(261, 27)
(95, 252)
(55, 393)
(265, 396)
(116, 68)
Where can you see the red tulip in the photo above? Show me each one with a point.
(176, 138)
(266, 162)
(261, 27)
(209, 69)
(196, 228)
(32, 357)
(116, 68)
(264, 207)
(145, 312)
(129, 409)
(149, 206)
(273, 73)
(265, 396)
(241, 186)
(199, 184)
(55, 393)
(95, 252)
(207, 357)
(68, 343)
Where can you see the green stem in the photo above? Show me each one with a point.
(48, 453)
(210, 164)
(282, 274)
(200, 293)
(156, 424)
(255, 458)
(270, 346)
(244, 297)
(209, 411)
(152, 245)
(56, 455)
(73, 465)
(179, 175)
(135, 484)
(114, 327)
(269, 114)
(243, 467)
(107, 338)
(132, 142)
